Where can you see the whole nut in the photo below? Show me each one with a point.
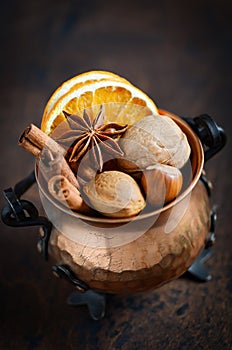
(114, 194)
(86, 171)
(161, 183)
(154, 139)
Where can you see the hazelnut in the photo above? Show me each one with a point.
(161, 183)
(114, 194)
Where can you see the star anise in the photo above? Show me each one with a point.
(94, 137)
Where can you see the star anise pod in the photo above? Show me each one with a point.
(94, 137)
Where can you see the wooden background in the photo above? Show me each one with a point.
(178, 52)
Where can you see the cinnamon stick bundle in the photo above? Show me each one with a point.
(35, 141)
(62, 190)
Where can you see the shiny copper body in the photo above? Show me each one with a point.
(175, 236)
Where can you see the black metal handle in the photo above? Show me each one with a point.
(212, 136)
(64, 271)
(22, 213)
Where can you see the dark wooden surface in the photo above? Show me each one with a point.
(180, 54)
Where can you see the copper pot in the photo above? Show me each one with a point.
(130, 256)
(127, 255)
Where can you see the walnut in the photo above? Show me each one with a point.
(151, 140)
(114, 194)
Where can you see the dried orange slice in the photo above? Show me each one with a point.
(124, 103)
(78, 81)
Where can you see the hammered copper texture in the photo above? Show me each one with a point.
(148, 262)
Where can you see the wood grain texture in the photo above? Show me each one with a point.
(180, 54)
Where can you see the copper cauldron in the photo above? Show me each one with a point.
(126, 255)
(133, 255)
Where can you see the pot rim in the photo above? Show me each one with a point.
(198, 148)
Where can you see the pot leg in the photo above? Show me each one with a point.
(84, 295)
(198, 270)
(95, 302)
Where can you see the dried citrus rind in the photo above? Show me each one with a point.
(124, 103)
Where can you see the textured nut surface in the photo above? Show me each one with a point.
(114, 194)
(155, 139)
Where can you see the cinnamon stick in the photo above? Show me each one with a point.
(35, 141)
(62, 190)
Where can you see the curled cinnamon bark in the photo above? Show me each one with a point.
(62, 190)
(35, 141)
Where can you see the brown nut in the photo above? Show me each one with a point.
(161, 183)
(151, 140)
(86, 171)
(128, 166)
(114, 194)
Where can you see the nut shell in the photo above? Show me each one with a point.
(114, 194)
(161, 183)
(154, 139)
